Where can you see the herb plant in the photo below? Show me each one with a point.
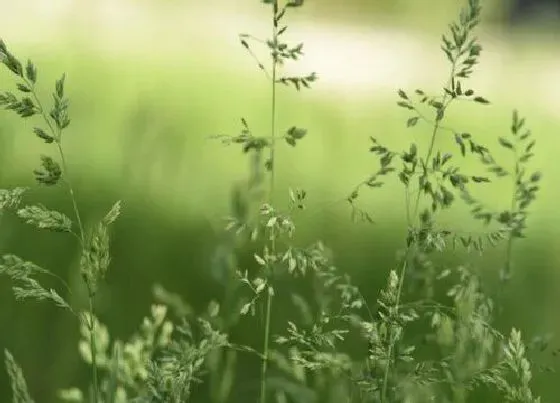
(457, 353)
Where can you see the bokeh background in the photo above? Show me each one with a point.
(149, 81)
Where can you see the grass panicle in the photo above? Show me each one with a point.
(430, 334)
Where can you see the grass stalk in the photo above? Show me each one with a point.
(412, 248)
(57, 136)
(272, 160)
(172, 358)
(91, 293)
(93, 347)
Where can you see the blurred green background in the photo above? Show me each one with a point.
(150, 81)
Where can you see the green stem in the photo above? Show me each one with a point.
(406, 262)
(428, 156)
(57, 134)
(273, 118)
(509, 250)
(93, 348)
(91, 295)
(506, 271)
(391, 341)
(264, 364)
(411, 250)
(70, 190)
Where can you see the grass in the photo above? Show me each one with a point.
(459, 352)
(329, 121)
(341, 129)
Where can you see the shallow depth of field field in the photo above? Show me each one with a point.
(149, 83)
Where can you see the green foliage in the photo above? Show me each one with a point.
(458, 351)
(159, 363)
(95, 248)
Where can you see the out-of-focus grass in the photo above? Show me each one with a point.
(407, 12)
(146, 125)
(139, 131)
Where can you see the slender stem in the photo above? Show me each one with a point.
(57, 134)
(272, 161)
(391, 341)
(272, 158)
(408, 255)
(91, 295)
(411, 250)
(509, 250)
(428, 156)
(407, 203)
(506, 271)
(93, 348)
(31, 86)
(58, 139)
(437, 126)
(71, 190)
(264, 366)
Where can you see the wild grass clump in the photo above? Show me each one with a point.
(438, 344)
